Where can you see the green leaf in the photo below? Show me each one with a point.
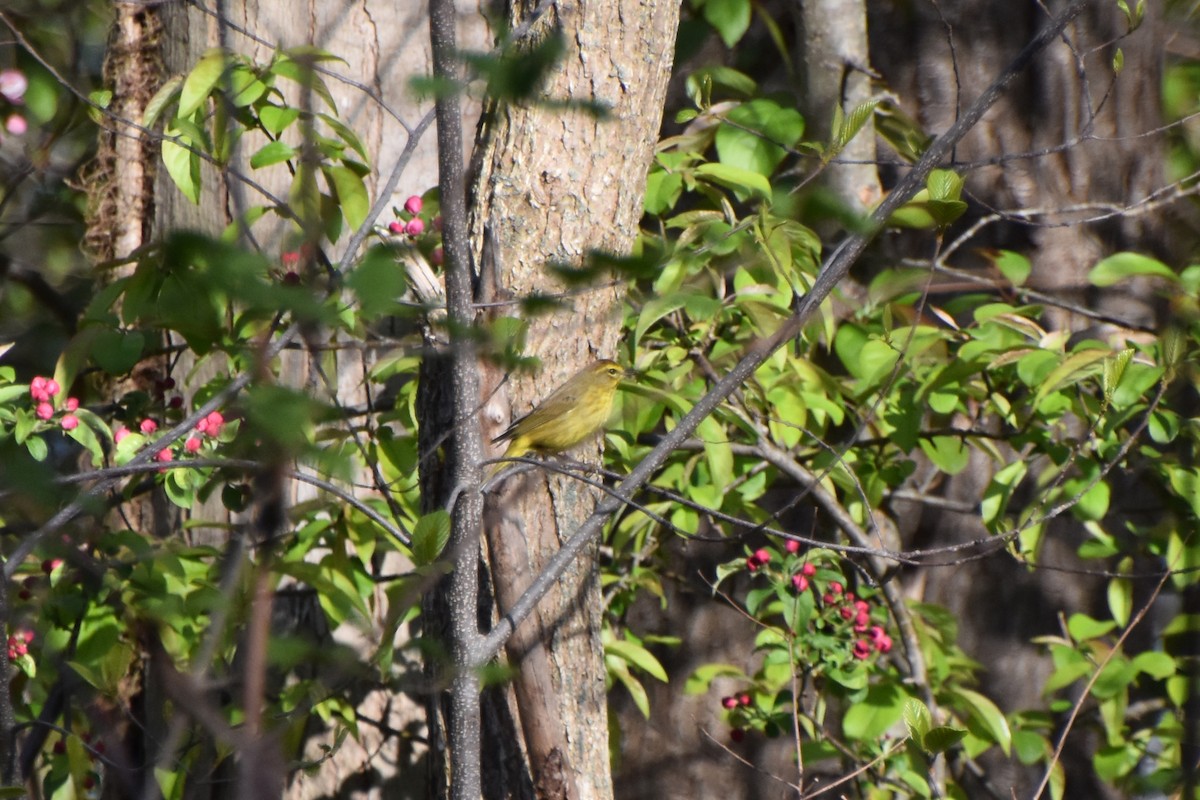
(276, 119)
(351, 194)
(1081, 627)
(638, 656)
(989, 717)
(1013, 266)
(201, 80)
(377, 282)
(182, 165)
(879, 710)
(731, 18)
(743, 183)
(1156, 664)
(662, 191)
(757, 134)
(272, 153)
(917, 719)
(700, 680)
(166, 94)
(950, 454)
(116, 351)
(1120, 596)
(942, 738)
(1121, 266)
(429, 537)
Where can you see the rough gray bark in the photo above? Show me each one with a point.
(554, 185)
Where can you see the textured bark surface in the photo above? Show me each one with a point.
(553, 185)
(836, 66)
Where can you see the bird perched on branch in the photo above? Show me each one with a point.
(569, 415)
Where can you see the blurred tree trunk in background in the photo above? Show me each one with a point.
(383, 45)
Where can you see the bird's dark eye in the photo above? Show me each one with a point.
(614, 371)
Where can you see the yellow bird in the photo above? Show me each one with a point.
(568, 416)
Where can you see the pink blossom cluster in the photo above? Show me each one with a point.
(18, 644)
(13, 84)
(410, 223)
(43, 390)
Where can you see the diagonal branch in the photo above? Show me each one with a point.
(834, 270)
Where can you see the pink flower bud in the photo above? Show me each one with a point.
(861, 605)
(800, 583)
(27, 635)
(808, 570)
(752, 564)
(413, 205)
(119, 434)
(16, 124)
(214, 421)
(415, 227)
(290, 258)
(883, 644)
(762, 555)
(148, 426)
(847, 612)
(792, 546)
(438, 256)
(13, 84)
(729, 702)
(37, 389)
(164, 456)
(744, 699)
(71, 404)
(835, 587)
(437, 223)
(52, 387)
(70, 422)
(396, 227)
(862, 649)
(877, 632)
(192, 445)
(44, 411)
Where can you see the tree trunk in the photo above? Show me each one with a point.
(553, 186)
